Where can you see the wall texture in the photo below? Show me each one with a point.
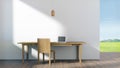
(26, 20)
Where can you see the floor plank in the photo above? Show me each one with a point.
(107, 60)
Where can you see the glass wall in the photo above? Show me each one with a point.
(110, 25)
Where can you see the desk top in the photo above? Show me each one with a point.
(55, 43)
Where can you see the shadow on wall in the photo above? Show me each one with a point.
(41, 6)
(69, 16)
(67, 19)
(46, 6)
(7, 48)
(37, 13)
(32, 19)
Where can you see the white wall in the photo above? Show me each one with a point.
(7, 48)
(27, 20)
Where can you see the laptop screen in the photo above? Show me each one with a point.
(61, 39)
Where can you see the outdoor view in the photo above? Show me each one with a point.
(110, 26)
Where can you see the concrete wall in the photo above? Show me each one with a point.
(27, 20)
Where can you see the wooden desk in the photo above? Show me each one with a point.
(77, 44)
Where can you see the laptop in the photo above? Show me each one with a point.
(61, 39)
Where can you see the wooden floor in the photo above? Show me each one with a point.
(107, 60)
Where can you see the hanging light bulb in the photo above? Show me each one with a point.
(52, 13)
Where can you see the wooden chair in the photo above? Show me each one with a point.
(44, 47)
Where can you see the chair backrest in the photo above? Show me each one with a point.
(44, 45)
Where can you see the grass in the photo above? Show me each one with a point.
(110, 46)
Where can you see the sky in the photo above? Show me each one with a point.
(109, 19)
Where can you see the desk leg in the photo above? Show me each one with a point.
(77, 52)
(22, 53)
(27, 53)
(80, 53)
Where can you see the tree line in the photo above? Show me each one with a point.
(111, 40)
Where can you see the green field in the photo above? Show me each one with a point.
(110, 46)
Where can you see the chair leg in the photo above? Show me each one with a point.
(43, 57)
(49, 60)
(38, 58)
